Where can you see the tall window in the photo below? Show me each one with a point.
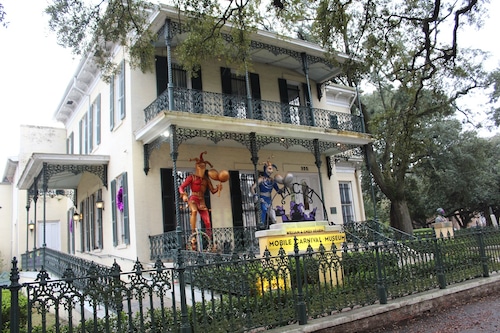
(179, 76)
(119, 210)
(249, 209)
(120, 98)
(70, 141)
(92, 224)
(346, 201)
(96, 126)
(117, 97)
(294, 102)
(92, 126)
(292, 108)
(235, 88)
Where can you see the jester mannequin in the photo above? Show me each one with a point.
(199, 183)
(266, 185)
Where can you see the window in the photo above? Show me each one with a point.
(96, 114)
(91, 126)
(119, 210)
(293, 109)
(346, 202)
(70, 141)
(179, 76)
(117, 97)
(249, 208)
(235, 90)
(92, 223)
(84, 132)
(80, 136)
(120, 98)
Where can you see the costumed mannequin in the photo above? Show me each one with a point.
(266, 185)
(199, 182)
(440, 217)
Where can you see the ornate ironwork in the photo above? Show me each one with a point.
(224, 105)
(253, 293)
(50, 170)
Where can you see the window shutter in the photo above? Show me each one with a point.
(86, 133)
(126, 224)
(255, 89)
(285, 108)
(122, 90)
(80, 137)
(112, 103)
(113, 212)
(161, 74)
(98, 119)
(90, 128)
(225, 75)
(196, 81)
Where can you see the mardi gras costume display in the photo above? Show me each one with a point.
(199, 182)
(267, 183)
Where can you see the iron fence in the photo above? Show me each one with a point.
(202, 291)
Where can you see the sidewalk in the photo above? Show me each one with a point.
(393, 315)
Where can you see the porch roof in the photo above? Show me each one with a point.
(63, 171)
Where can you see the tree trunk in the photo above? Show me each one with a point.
(400, 216)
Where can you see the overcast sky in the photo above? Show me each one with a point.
(35, 71)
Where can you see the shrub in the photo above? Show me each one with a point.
(6, 304)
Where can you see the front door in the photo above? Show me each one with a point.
(52, 235)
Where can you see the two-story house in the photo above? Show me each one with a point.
(131, 142)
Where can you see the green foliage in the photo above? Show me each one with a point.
(23, 311)
(2, 16)
(89, 29)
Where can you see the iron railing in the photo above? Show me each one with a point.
(216, 104)
(211, 292)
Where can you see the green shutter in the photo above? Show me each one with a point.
(113, 212)
(98, 119)
(126, 223)
(112, 103)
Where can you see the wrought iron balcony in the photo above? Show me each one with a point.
(216, 104)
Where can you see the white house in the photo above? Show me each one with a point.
(129, 143)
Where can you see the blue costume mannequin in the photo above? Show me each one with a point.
(266, 185)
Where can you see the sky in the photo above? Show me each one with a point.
(35, 71)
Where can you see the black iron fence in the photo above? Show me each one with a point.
(212, 292)
(216, 104)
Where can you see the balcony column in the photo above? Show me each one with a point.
(45, 188)
(174, 153)
(35, 199)
(249, 94)
(255, 160)
(24, 265)
(318, 162)
(309, 103)
(170, 86)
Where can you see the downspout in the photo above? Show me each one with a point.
(249, 93)
(174, 153)
(255, 160)
(170, 86)
(35, 199)
(318, 162)
(25, 266)
(309, 102)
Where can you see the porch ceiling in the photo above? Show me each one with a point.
(161, 123)
(69, 174)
